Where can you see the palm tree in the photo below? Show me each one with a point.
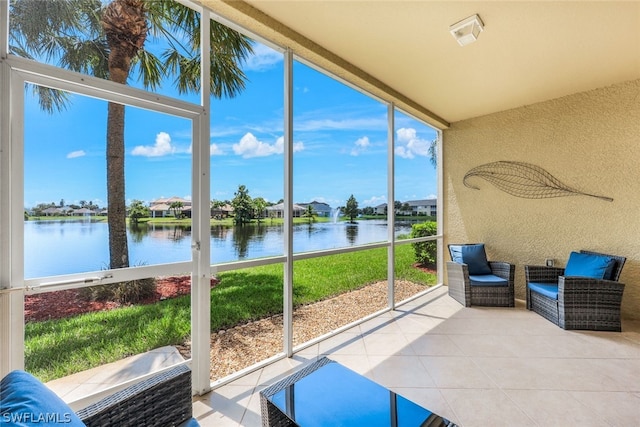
(176, 207)
(310, 213)
(107, 40)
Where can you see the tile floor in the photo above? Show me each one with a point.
(475, 366)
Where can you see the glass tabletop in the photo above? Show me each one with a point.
(336, 396)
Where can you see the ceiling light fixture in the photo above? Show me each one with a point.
(467, 30)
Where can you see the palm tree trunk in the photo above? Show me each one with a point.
(125, 26)
(117, 209)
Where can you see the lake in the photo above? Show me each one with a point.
(65, 247)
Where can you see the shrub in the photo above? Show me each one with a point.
(426, 252)
(129, 292)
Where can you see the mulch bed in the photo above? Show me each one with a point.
(59, 304)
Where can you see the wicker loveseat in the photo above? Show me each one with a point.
(473, 280)
(586, 294)
(164, 399)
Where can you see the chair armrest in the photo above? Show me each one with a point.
(542, 273)
(458, 282)
(503, 269)
(457, 272)
(588, 286)
(164, 399)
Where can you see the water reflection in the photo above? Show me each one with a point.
(64, 247)
(137, 231)
(352, 233)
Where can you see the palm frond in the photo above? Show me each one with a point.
(69, 33)
(151, 69)
(51, 100)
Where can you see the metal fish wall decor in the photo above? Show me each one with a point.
(523, 180)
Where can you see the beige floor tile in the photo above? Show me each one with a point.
(399, 371)
(615, 408)
(416, 324)
(387, 345)
(483, 408)
(433, 345)
(621, 374)
(456, 372)
(486, 345)
(311, 351)
(345, 343)
(224, 406)
(517, 373)
(555, 408)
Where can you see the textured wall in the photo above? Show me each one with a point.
(589, 141)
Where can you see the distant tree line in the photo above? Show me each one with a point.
(245, 208)
(39, 209)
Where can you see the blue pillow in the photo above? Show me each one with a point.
(589, 265)
(473, 255)
(25, 401)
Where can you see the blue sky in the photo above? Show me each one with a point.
(340, 145)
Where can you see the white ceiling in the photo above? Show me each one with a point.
(529, 51)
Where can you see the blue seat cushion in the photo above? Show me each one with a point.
(25, 401)
(590, 265)
(487, 280)
(549, 290)
(473, 255)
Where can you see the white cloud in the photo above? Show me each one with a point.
(161, 147)
(250, 146)
(409, 145)
(263, 58)
(74, 154)
(360, 146)
(340, 124)
(375, 201)
(404, 152)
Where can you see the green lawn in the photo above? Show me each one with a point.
(57, 348)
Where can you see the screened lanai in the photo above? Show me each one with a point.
(550, 84)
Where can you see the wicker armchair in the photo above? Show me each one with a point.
(574, 302)
(164, 399)
(492, 285)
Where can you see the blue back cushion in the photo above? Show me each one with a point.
(590, 265)
(473, 255)
(25, 401)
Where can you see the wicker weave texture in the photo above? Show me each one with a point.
(461, 290)
(583, 303)
(589, 304)
(164, 399)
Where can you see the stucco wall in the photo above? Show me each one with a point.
(589, 141)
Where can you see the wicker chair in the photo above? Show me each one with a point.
(574, 302)
(491, 285)
(163, 399)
